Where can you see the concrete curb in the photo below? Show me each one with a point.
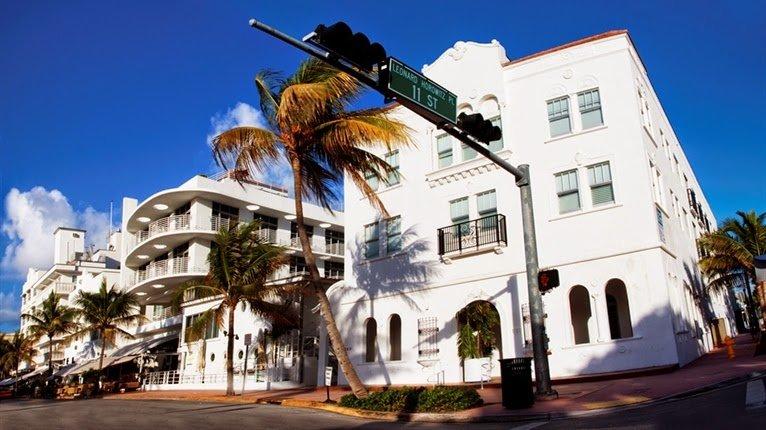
(547, 416)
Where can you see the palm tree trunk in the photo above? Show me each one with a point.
(333, 333)
(50, 353)
(752, 314)
(101, 362)
(230, 353)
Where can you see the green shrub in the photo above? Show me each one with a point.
(448, 399)
(410, 399)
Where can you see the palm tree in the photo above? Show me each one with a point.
(241, 264)
(106, 312)
(310, 126)
(18, 349)
(730, 251)
(52, 319)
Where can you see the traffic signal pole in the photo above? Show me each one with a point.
(522, 181)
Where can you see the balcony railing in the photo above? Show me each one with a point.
(164, 225)
(485, 232)
(165, 314)
(63, 288)
(316, 245)
(217, 223)
(171, 266)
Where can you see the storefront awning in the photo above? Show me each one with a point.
(143, 346)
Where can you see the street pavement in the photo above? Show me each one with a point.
(737, 406)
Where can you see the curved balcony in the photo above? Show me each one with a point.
(164, 234)
(155, 283)
(319, 247)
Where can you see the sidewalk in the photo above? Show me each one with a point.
(574, 397)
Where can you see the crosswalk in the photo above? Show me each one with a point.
(756, 394)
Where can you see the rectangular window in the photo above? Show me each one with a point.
(600, 178)
(294, 230)
(211, 331)
(468, 152)
(496, 145)
(558, 116)
(590, 109)
(393, 234)
(371, 238)
(486, 203)
(221, 210)
(371, 179)
(644, 107)
(267, 227)
(458, 210)
(444, 150)
(568, 191)
(298, 266)
(333, 270)
(392, 158)
(661, 224)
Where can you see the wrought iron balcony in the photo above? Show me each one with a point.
(473, 235)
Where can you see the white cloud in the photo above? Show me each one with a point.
(243, 114)
(9, 308)
(32, 217)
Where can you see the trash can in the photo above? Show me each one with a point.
(516, 382)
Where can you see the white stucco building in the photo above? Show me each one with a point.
(166, 243)
(76, 267)
(617, 211)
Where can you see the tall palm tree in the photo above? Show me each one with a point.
(52, 319)
(730, 251)
(18, 349)
(240, 266)
(309, 125)
(106, 312)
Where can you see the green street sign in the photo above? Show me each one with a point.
(413, 86)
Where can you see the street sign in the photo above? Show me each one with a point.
(328, 375)
(413, 86)
(248, 339)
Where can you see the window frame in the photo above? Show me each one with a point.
(368, 240)
(563, 193)
(397, 234)
(449, 151)
(393, 178)
(594, 106)
(553, 116)
(593, 185)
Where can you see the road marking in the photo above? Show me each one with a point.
(756, 394)
(529, 426)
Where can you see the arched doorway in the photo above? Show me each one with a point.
(580, 313)
(479, 340)
(618, 309)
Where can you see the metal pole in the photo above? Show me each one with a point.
(244, 370)
(539, 349)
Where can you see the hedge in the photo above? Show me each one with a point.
(416, 399)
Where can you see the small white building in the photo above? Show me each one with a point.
(166, 243)
(75, 268)
(617, 212)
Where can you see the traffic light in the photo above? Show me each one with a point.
(353, 47)
(478, 127)
(548, 280)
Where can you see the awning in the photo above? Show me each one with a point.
(143, 346)
(35, 372)
(93, 364)
(6, 382)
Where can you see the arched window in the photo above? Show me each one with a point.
(618, 310)
(579, 309)
(371, 328)
(395, 338)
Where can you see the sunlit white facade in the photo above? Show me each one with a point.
(167, 238)
(617, 212)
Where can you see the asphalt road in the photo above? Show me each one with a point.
(721, 409)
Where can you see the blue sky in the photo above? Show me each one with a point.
(101, 100)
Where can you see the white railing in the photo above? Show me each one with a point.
(179, 377)
(171, 266)
(316, 245)
(63, 287)
(164, 225)
(165, 314)
(217, 223)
